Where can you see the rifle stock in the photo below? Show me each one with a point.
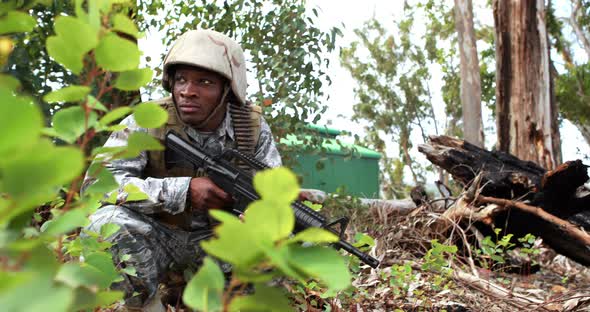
(239, 184)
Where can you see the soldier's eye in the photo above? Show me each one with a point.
(206, 81)
(180, 79)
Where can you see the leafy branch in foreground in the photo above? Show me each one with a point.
(261, 249)
(64, 270)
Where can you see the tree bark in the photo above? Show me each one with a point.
(585, 131)
(577, 29)
(470, 77)
(526, 117)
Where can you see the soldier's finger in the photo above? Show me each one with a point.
(220, 194)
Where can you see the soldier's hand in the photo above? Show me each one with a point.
(204, 195)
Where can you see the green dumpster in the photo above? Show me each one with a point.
(334, 165)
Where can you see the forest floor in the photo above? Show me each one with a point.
(418, 275)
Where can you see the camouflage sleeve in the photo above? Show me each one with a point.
(266, 150)
(165, 195)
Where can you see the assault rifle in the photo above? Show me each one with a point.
(238, 183)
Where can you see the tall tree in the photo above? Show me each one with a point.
(393, 94)
(572, 86)
(526, 116)
(470, 77)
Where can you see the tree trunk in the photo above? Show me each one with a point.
(585, 131)
(526, 119)
(582, 37)
(470, 78)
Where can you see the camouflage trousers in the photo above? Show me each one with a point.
(153, 248)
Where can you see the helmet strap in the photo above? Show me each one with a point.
(217, 108)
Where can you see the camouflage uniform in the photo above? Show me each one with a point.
(155, 247)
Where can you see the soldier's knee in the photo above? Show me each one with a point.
(128, 220)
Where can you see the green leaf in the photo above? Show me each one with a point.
(236, 243)
(279, 257)
(26, 245)
(93, 103)
(58, 300)
(15, 21)
(68, 30)
(133, 79)
(134, 193)
(314, 235)
(129, 271)
(108, 229)
(277, 184)
(65, 223)
(70, 123)
(78, 274)
(323, 263)
(93, 16)
(20, 122)
(150, 115)
(42, 168)
(112, 199)
(363, 240)
(107, 151)
(40, 267)
(115, 128)
(265, 298)
(252, 276)
(10, 280)
(115, 114)
(18, 287)
(9, 82)
(271, 220)
(204, 291)
(124, 24)
(104, 181)
(108, 297)
(117, 54)
(103, 262)
(50, 132)
(67, 94)
(141, 141)
(316, 207)
(87, 299)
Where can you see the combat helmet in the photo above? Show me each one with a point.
(213, 51)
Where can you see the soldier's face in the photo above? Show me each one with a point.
(197, 92)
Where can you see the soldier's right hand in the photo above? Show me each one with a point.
(204, 195)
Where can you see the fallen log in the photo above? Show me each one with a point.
(518, 196)
(503, 175)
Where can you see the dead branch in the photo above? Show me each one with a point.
(567, 227)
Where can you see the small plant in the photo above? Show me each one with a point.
(400, 278)
(493, 252)
(436, 261)
(528, 247)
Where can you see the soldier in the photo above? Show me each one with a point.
(205, 72)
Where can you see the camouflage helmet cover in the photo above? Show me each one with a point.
(210, 50)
